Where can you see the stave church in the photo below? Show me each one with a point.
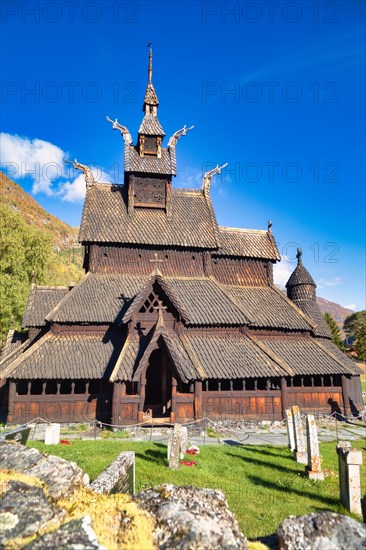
(176, 318)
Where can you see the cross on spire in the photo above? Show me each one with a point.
(156, 261)
(160, 309)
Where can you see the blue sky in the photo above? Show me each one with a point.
(276, 89)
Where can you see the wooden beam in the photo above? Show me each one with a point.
(345, 394)
(198, 399)
(283, 396)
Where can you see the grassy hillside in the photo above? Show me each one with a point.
(31, 241)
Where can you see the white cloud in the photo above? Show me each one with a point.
(74, 191)
(350, 306)
(38, 159)
(282, 271)
(43, 162)
(324, 283)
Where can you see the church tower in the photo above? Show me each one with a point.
(148, 166)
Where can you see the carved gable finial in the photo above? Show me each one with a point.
(124, 131)
(176, 136)
(207, 178)
(88, 174)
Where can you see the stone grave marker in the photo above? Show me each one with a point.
(183, 441)
(119, 477)
(175, 447)
(300, 446)
(19, 434)
(290, 430)
(313, 469)
(349, 462)
(52, 434)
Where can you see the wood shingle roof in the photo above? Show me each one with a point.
(165, 165)
(97, 298)
(67, 357)
(106, 219)
(309, 356)
(247, 243)
(41, 300)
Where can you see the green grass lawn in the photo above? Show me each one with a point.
(263, 484)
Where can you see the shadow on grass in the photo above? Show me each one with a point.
(153, 455)
(267, 450)
(259, 462)
(305, 494)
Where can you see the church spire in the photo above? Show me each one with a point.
(151, 101)
(149, 71)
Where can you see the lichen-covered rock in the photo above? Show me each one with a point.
(321, 531)
(191, 518)
(24, 511)
(60, 476)
(76, 534)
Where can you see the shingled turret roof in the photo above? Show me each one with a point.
(300, 275)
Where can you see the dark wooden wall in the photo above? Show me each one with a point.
(134, 260)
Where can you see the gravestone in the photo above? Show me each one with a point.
(300, 448)
(290, 429)
(52, 434)
(19, 434)
(183, 441)
(119, 477)
(175, 447)
(349, 462)
(313, 469)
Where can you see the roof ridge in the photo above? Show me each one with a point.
(44, 287)
(187, 191)
(333, 356)
(271, 354)
(10, 368)
(230, 297)
(308, 319)
(243, 230)
(192, 354)
(120, 357)
(13, 352)
(55, 310)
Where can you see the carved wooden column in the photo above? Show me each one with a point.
(174, 400)
(345, 394)
(283, 397)
(141, 401)
(198, 399)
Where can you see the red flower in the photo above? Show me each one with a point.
(64, 442)
(188, 463)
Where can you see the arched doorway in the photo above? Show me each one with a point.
(158, 390)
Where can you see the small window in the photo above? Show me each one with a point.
(80, 386)
(225, 385)
(51, 387)
(238, 385)
(22, 387)
(65, 387)
(37, 387)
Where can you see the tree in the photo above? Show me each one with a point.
(360, 342)
(23, 250)
(334, 330)
(353, 322)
